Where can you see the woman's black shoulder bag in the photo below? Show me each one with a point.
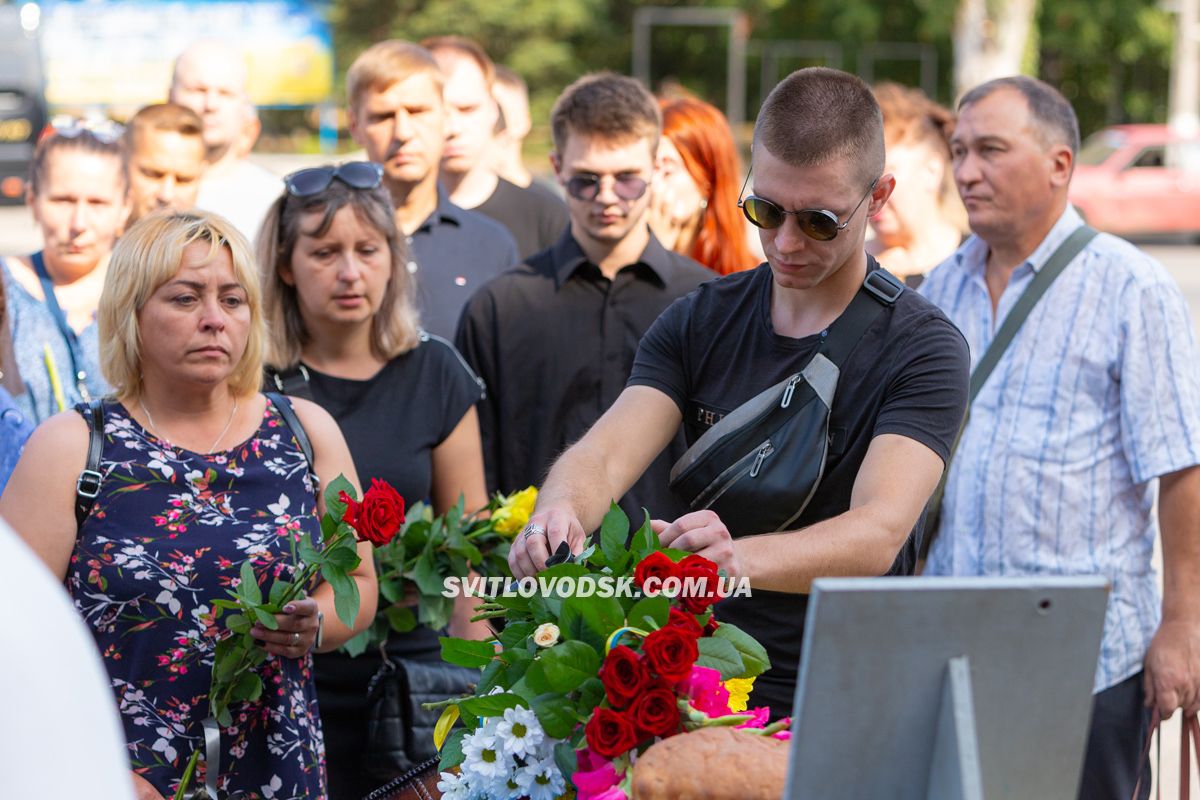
(760, 466)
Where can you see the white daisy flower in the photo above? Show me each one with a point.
(519, 731)
(453, 787)
(485, 756)
(541, 779)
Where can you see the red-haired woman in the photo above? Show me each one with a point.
(695, 208)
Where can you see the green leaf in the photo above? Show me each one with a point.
(489, 677)
(569, 664)
(721, 655)
(400, 618)
(309, 554)
(226, 604)
(515, 633)
(329, 528)
(434, 612)
(591, 694)
(248, 587)
(278, 590)
(614, 533)
(452, 752)
(248, 688)
(492, 705)
(345, 594)
(564, 758)
(343, 558)
(425, 574)
(650, 612)
(391, 589)
(556, 713)
(754, 655)
(237, 623)
(466, 653)
(333, 504)
(535, 679)
(644, 542)
(265, 619)
(591, 619)
(356, 645)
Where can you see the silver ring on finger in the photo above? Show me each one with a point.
(295, 638)
(533, 529)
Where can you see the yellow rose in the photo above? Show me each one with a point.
(739, 693)
(514, 511)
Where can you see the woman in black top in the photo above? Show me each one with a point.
(344, 330)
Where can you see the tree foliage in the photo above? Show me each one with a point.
(1110, 59)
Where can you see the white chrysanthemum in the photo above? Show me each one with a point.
(540, 779)
(453, 787)
(519, 731)
(485, 757)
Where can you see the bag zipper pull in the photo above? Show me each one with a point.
(788, 390)
(763, 452)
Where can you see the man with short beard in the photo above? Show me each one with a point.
(555, 338)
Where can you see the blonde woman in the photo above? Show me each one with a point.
(200, 474)
(344, 332)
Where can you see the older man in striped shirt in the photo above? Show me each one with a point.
(1094, 405)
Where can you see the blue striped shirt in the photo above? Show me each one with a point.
(1096, 397)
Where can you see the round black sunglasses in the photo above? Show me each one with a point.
(815, 223)
(355, 174)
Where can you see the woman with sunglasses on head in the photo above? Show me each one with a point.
(695, 210)
(344, 331)
(79, 195)
(152, 502)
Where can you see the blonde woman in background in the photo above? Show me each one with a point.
(924, 221)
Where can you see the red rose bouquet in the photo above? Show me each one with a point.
(595, 678)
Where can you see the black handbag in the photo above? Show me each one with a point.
(759, 467)
(399, 730)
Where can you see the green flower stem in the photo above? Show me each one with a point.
(772, 729)
(489, 615)
(442, 703)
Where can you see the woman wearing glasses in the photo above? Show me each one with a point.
(78, 193)
(201, 475)
(695, 209)
(344, 331)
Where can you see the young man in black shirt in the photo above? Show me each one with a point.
(398, 115)
(535, 219)
(554, 340)
(818, 144)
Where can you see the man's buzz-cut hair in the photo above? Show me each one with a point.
(818, 114)
(604, 104)
(165, 117)
(466, 48)
(385, 64)
(1053, 117)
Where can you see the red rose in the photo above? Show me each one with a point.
(656, 565)
(711, 626)
(701, 583)
(656, 713)
(610, 733)
(350, 515)
(671, 653)
(623, 675)
(685, 622)
(379, 516)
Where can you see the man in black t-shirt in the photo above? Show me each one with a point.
(818, 144)
(535, 219)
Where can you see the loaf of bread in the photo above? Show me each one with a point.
(712, 764)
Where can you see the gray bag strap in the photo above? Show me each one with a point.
(1066, 252)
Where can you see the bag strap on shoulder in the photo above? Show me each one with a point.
(293, 381)
(880, 290)
(284, 406)
(1066, 252)
(87, 485)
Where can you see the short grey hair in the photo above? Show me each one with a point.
(1052, 114)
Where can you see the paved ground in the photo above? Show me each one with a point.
(17, 235)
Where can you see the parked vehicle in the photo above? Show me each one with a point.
(1139, 179)
(22, 102)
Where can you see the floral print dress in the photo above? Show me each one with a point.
(168, 535)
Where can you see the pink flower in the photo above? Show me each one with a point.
(706, 692)
(782, 735)
(762, 715)
(614, 793)
(595, 777)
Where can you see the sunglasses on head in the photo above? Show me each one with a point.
(586, 187)
(355, 174)
(815, 223)
(102, 129)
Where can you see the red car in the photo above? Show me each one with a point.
(1139, 179)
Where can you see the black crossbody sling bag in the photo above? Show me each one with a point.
(759, 467)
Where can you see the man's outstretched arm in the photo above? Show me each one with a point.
(593, 472)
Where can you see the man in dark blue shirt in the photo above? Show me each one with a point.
(397, 114)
